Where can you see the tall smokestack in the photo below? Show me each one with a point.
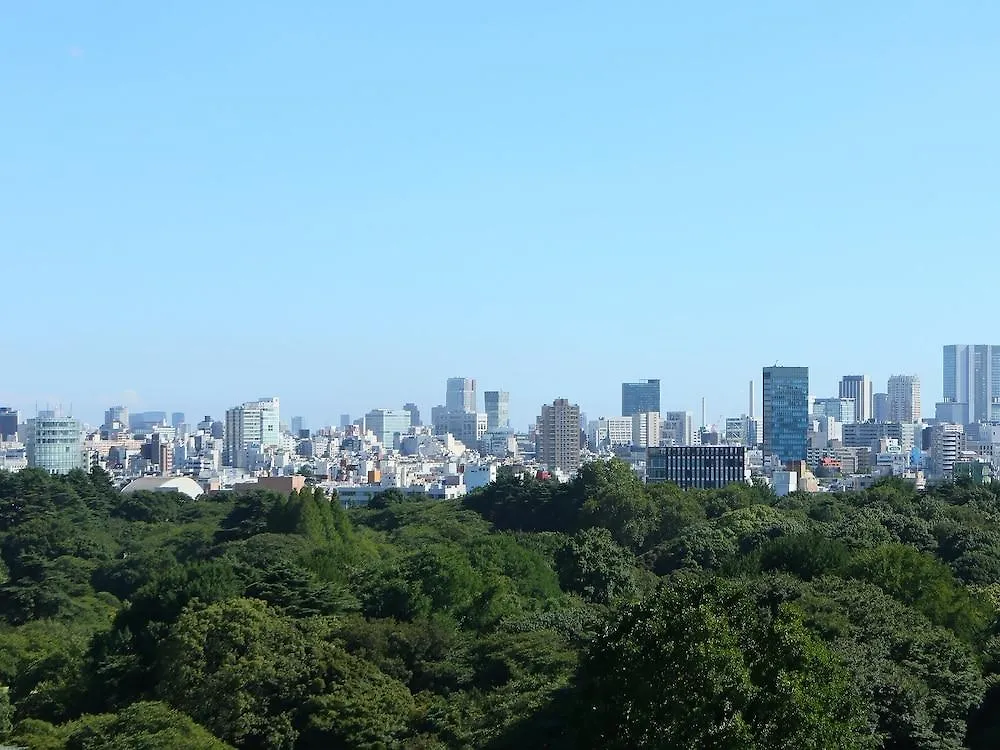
(750, 413)
(703, 422)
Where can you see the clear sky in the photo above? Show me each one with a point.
(344, 204)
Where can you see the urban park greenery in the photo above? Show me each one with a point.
(600, 613)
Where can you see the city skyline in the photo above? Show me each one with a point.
(522, 412)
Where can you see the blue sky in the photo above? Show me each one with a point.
(343, 204)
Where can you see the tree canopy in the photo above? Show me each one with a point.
(598, 613)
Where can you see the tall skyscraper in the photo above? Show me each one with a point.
(55, 443)
(497, 410)
(972, 378)
(786, 412)
(345, 420)
(460, 394)
(414, 414)
(904, 398)
(254, 424)
(559, 436)
(388, 425)
(859, 387)
(298, 425)
(177, 419)
(640, 398)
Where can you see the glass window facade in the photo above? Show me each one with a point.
(786, 412)
(640, 398)
(55, 444)
(697, 467)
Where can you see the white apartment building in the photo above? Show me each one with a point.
(611, 431)
(254, 424)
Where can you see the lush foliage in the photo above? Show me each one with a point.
(601, 613)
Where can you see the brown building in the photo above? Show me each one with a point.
(558, 436)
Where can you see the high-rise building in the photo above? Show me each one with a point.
(859, 387)
(298, 425)
(389, 425)
(676, 428)
(646, 429)
(844, 410)
(640, 398)
(55, 443)
(177, 419)
(559, 436)
(345, 420)
(972, 378)
(460, 394)
(497, 409)
(786, 412)
(8, 423)
(250, 428)
(116, 414)
(904, 398)
(881, 401)
(697, 467)
(414, 414)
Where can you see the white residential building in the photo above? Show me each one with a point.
(254, 425)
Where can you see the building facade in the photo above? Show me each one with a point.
(697, 467)
(844, 410)
(55, 444)
(904, 398)
(640, 398)
(460, 394)
(646, 429)
(972, 378)
(388, 425)
(676, 428)
(559, 436)
(786, 412)
(610, 432)
(8, 423)
(859, 387)
(881, 401)
(497, 409)
(254, 425)
(414, 414)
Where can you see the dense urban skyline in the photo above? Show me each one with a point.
(523, 412)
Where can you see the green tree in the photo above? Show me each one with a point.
(699, 664)
(593, 565)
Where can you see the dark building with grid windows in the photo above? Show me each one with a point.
(640, 398)
(703, 467)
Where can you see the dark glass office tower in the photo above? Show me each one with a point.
(640, 398)
(786, 412)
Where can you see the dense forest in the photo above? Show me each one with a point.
(600, 613)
